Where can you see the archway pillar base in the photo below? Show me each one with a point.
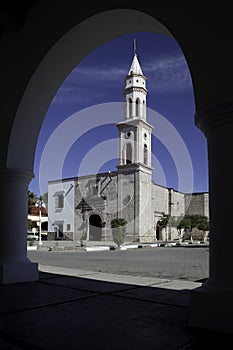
(14, 263)
(211, 305)
(18, 272)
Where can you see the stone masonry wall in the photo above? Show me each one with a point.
(197, 203)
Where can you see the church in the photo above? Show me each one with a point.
(82, 208)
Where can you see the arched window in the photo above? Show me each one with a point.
(130, 106)
(144, 109)
(128, 154)
(137, 107)
(145, 154)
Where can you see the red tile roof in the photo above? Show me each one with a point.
(33, 210)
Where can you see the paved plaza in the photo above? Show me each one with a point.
(187, 262)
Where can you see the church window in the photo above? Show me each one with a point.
(59, 200)
(128, 134)
(130, 107)
(128, 154)
(145, 155)
(137, 107)
(144, 108)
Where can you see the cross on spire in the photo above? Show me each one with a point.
(134, 46)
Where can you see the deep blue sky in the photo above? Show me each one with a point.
(99, 80)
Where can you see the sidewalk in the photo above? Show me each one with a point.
(82, 310)
(97, 245)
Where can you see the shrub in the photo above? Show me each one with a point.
(118, 230)
(30, 240)
(30, 224)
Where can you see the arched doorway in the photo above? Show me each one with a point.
(158, 233)
(95, 227)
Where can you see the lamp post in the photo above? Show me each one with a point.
(166, 240)
(40, 203)
(40, 241)
(87, 229)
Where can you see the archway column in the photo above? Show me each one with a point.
(14, 263)
(211, 305)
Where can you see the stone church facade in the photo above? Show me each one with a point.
(81, 208)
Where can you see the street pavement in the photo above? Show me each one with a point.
(187, 262)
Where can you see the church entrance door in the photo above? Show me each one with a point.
(95, 227)
(158, 233)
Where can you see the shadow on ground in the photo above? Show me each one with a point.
(65, 312)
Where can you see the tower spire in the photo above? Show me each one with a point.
(135, 66)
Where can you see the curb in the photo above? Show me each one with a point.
(112, 247)
(97, 248)
(130, 246)
(34, 247)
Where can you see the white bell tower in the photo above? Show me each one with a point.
(134, 131)
(134, 165)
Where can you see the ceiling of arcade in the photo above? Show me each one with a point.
(200, 54)
(12, 13)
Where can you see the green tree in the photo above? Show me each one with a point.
(32, 198)
(30, 224)
(118, 230)
(184, 223)
(163, 223)
(179, 226)
(45, 198)
(203, 225)
(189, 222)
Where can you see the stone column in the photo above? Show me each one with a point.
(14, 263)
(211, 305)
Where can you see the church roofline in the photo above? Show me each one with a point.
(76, 178)
(197, 193)
(181, 192)
(63, 180)
(134, 166)
(116, 172)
